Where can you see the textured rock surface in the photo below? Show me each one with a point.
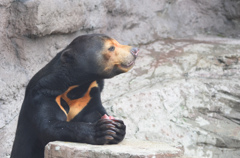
(180, 90)
(126, 149)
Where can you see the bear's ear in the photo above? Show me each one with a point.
(67, 56)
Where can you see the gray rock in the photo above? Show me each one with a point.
(128, 19)
(126, 149)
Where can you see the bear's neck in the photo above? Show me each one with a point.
(63, 81)
(77, 76)
(55, 78)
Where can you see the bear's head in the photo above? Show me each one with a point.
(100, 55)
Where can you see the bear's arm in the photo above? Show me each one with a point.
(51, 125)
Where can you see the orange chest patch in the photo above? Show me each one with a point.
(75, 105)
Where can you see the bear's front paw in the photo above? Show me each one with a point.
(109, 131)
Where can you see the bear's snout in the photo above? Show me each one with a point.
(134, 52)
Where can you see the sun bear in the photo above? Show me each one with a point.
(63, 102)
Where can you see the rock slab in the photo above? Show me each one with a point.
(126, 149)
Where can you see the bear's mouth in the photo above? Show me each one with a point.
(129, 64)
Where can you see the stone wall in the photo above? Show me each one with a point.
(185, 85)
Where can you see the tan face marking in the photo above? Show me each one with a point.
(120, 57)
(75, 105)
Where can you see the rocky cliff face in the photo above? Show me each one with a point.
(185, 85)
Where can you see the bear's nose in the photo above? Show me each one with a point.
(134, 51)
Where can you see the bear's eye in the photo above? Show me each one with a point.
(112, 48)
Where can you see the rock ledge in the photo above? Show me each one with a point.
(126, 149)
